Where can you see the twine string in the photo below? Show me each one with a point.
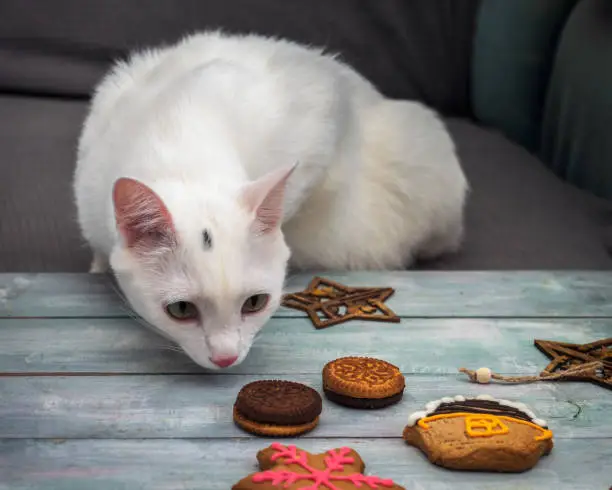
(587, 369)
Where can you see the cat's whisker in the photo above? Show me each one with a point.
(256, 337)
(173, 348)
(133, 315)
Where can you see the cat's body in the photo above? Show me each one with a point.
(377, 183)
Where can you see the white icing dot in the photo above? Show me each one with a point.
(540, 422)
(459, 398)
(415, 417)
(431, 406)
(486, 397)
(530, 414)
(447, 399)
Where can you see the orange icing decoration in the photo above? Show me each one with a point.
(546, 434)
(484, 426)
(368, 309)
(324, 291)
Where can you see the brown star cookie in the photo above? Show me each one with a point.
(564, 355)
(329, 303)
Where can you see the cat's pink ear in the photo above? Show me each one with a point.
(142, 218)
(265, 196)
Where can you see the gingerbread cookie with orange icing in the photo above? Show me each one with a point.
(480, 433)
(291, 468)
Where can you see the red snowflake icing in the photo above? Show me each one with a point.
(322, 479)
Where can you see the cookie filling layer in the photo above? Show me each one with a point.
(370, 403)
(280, 424)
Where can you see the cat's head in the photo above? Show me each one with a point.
(205, 269)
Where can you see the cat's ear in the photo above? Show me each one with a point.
(141, 216)
(265, 196)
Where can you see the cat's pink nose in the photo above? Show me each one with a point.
(224, 361)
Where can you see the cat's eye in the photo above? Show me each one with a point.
(255, 304)
(182, 311)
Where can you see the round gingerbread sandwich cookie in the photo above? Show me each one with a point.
(277, 408)
(363, 382)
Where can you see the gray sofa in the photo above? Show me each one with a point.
(524, 87)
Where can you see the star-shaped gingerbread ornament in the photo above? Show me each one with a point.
(291, 468)
(329, 303)
(322, 290)
(564, 356)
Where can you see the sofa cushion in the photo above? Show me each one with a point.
(418, 49)
(38, 230)
(519, 215)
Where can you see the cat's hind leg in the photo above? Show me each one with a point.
(445, 241)
(421, 186)
(99, 264)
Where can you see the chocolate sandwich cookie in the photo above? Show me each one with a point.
(277, 408)
(479, 433)
(363, 382)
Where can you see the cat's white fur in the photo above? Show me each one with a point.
(214, 119)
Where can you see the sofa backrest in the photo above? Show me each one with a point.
(577, 122)
(419, 49)
(542, 74)
(514, 48)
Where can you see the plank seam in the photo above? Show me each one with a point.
(244, 438)
(290, 317)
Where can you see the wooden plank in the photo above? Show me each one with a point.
(200, 406)
(419, 294)
(289, 346)
(574, 464)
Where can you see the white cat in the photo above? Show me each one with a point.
(206, 167)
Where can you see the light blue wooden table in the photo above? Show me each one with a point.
(91, 400)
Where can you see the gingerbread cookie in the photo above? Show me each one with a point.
(291, 468)
(363, 382)
(479, 433)
(277, 408)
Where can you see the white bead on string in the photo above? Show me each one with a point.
(483, 375)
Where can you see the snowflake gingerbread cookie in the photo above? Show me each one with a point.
(291, 468)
